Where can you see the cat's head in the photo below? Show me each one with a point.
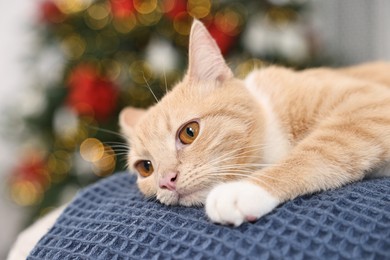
(202, 133)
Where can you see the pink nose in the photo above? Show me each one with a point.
(168, 181)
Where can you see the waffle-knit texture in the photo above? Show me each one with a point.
(112, 220)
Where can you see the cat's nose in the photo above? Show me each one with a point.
(168, 181)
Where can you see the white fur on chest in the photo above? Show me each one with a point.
(276, 143)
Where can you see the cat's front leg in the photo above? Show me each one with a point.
(239, 201)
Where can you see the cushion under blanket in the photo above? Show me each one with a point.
(112, 220)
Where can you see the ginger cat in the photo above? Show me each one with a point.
(244, 147)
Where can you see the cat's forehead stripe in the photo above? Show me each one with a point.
(168, 122)
(224, 112)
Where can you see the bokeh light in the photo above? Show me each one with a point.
(73, 46)
(199, 8)
(26, 193)
(140, 72)
(149, 19)
(91, 150)
(247, 66)
(125, 24)
(228, 21)
(106, 163)
(73, 6)
(182, 23)
(145, 6)
(97, 16)
(59, 164)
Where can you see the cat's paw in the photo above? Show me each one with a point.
(237, 202)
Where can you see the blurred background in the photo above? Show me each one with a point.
(69, 66)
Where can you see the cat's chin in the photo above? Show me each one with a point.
(197, 198)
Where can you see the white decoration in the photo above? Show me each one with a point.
(50, 66)
(293, 44)
(263, 37)
(161, 56)
(65, 122)
(33, 102)
(259, 37)
(82, 168)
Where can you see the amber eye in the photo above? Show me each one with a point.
(145, 168)
(189, 133)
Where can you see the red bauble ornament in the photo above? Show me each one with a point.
(91, 94)
(122, 8)
(173, 8)
(50, 13)
(32, 169)
(224, 40)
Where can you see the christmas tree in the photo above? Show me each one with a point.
(115, 53)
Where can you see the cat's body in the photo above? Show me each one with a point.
(244, 147)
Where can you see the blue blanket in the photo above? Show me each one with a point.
(112, 220)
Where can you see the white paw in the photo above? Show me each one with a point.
(239, 201)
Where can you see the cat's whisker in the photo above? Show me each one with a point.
(223, 175)
(242, 169)
(262, 182)
(245, 169)
(165, 80)
(204, 180)
(105, 157)
(121, 153)
(218, 163)
(115, 155)
(124, 148)
(114, 142)
(211, 164)
(107, 131)
(117, 144)
(151, 91)
(255, 178)
(151, 198)
(232, 155)
(123, 159)
(148, 86)
(245, 165)
(119, 147)
(117, 151)
(127, 164)
(249, 174)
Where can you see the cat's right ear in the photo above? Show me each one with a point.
(205, 59)
(129, 117)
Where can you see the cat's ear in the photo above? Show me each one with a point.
(205, 59)
(129, 117)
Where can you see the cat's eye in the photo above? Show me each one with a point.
(189, 132)
(144, 167)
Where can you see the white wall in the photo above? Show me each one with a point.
(15, 44)
(355, 30)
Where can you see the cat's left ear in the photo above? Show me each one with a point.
(205, 59)
(129, 117)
